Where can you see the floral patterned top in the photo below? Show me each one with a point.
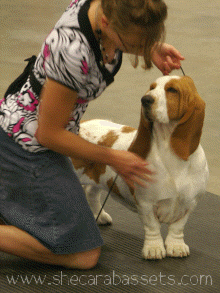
(70, 55)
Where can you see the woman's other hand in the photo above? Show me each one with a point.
(166, 58)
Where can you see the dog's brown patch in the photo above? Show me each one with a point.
(127, 129)
(95, 170)
(108, 139)
(92, 170)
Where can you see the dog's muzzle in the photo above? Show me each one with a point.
(147, 101)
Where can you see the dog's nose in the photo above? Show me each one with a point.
(147, 101)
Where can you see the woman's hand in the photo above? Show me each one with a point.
(166, 58)
(132, 168)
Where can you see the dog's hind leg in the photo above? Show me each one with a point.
(93, 196)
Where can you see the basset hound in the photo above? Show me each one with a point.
(168, 137)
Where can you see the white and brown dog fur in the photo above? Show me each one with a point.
(168, 137)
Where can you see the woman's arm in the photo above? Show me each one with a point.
(57, 103)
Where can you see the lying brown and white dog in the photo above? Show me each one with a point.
(168, 137)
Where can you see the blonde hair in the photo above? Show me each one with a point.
(149, 15)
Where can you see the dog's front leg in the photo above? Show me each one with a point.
(153, 244)
(175, 245)
(93, 195)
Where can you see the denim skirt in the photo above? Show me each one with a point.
(41, 194)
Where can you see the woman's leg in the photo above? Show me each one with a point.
(18, 242)
(41, 194)
(2, 222)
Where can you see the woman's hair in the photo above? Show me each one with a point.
(149, 15)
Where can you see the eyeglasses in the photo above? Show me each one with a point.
(123, 44)
(128, 47)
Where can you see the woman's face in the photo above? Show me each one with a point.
(131, 42)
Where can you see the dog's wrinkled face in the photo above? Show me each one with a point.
(162, 102)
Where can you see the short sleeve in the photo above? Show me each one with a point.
(66, 56)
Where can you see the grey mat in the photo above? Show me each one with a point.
(121, 268)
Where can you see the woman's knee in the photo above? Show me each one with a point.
(79, 260)
(84, 260)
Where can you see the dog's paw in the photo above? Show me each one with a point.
(154, 250)
(104, 218)
(177, 249)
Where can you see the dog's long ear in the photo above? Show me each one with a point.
(142, 142)
(186, 136)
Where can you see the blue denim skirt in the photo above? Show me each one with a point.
(41, 194)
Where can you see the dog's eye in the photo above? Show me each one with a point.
(172, 90)
(152, 86)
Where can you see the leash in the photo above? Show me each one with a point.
(182, 70)
(110, 189)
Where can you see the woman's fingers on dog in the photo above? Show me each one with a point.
(133, 169)
(145, 170)
(143, 180)
(141, 176)
(129, 182)
(133, 181)
(146, 178)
